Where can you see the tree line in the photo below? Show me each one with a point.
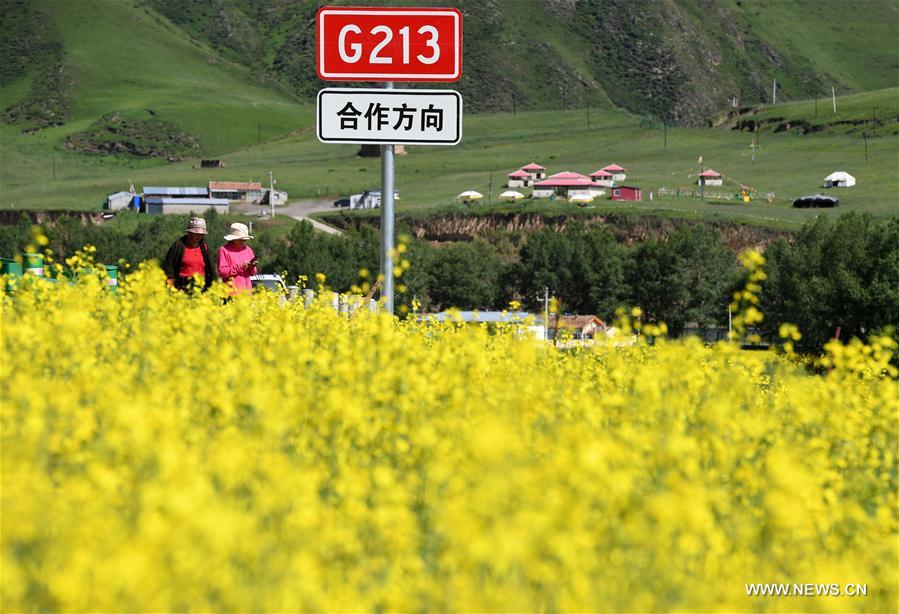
(832, 273)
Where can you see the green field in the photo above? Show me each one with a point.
(787, 165)
(148, 69)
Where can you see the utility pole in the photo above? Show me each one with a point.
(833, 93)
(490, 189)
(545, 300)
(701, 180)
(271, 192)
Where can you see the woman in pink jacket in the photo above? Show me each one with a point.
(237, 262)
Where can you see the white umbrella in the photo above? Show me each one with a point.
(470, 195)
(511, 195)
(580, 198)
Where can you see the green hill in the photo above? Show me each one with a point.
(97, 95)
(679, 60)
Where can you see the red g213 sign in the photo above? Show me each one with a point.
(389, 44)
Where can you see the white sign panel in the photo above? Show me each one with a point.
(413, 117)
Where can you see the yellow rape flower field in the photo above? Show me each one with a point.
(162, 452)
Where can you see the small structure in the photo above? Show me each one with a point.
(237, 191)
(369, 199)
(535, 170)
(575, 327)
(279, 196)
(162, 205)
(709, 177)
(170, 192)
(816, 200)
(511, 196)
(119, 200)
(839, 179)
(580, 199)
(519, 179)
(469, 196)
(626, 192)
(567, 184)
(616, 171)
(603, 177)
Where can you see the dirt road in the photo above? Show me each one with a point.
(298, 210)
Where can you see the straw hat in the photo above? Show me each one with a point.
(238, 231)
(197, 226)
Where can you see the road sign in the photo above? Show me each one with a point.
(389, 44)
(409, 117)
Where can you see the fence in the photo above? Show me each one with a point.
(33, 265)
(693, 192)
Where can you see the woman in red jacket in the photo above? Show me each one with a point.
(189, 256)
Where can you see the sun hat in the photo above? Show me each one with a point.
(197, 225)
(238, 231)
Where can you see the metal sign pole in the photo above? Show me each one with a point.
(387, 190)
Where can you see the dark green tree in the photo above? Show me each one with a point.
(464, 275)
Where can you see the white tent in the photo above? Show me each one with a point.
(839, 179)
(511, 195)
(580, 198)
(470, 195)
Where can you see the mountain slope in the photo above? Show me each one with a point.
(122, 58)
(678, 60)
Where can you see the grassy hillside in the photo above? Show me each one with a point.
(127, 65)
(872, 113)
(787, 165)
(126, 59)
(681, 60)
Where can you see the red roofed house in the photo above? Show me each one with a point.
(537, 171)
(520, 179)
(626, 192)
(617, 172)
(709, 177)
(576, 327)
(566, 184)
(241, 191)
(602, 177)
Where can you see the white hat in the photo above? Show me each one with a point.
(197, 226)
(238, 231)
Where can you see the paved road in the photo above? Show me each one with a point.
(298, 210)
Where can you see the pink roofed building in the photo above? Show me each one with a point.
(617, 172)
(710, 177)
(566, 184)
(602, 177)
(519, 179)
(537, 172)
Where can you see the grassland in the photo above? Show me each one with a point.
(786, 164)
(149, 70)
